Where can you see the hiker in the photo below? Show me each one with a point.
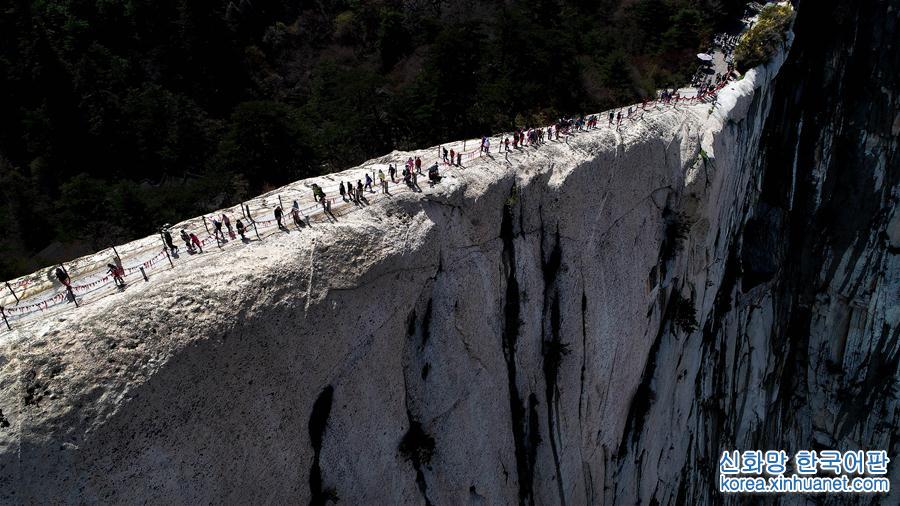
(217, 228)
(452, 156)
(445, 154)
(418, 165)
(196, 241)
(227, 223)
(382, 180)
(187, 241)
(359, 188)
(619, 118)
(342, 191)
(369, 183)
(392, 172)
(487, 146)
(506, 143)
(318, 193)
(167, 238)
(240, 230)
(295, 214)
(63, 277)
(278, 213)
(459, 159)
(113, 271)
(610, 117)
(434, 175)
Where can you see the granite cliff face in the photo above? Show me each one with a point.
(799, 346)
(590, 322)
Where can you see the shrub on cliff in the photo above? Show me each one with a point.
(765, 37)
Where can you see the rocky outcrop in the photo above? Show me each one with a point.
(589, 322)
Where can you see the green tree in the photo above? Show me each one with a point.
(266, 141)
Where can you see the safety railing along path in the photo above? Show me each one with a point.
(39, 293)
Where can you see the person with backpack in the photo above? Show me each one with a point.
(369, 183)
(359, 188)
(392, 172)
(240, 229)
(445, 154)
(342, 191)
(418, 165)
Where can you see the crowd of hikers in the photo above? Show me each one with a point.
(409, 172)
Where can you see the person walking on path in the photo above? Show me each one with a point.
(359, 188)
(342, 191)
(187, 241)
(382, 180)
(217, 230)
(167, 238)
(392, 172)
(227, 223)
(240, 230)
(369, 183)
(445, 154)
(196, 241)
(418, 165)
(459, 159)
(113, 270)
(63, 277)
(295, 214)
(452, 157)
(278, 214)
